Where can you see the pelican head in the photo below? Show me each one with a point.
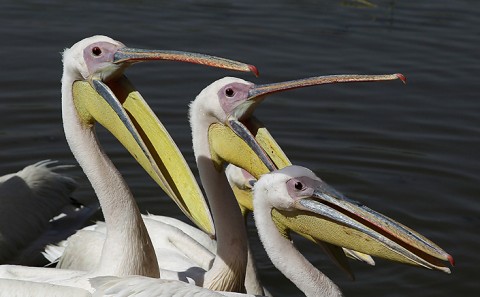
(239, 139)
(96, 91)
(287, 189)
(295, 188)
(94, 58)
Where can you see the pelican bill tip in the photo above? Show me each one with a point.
(451, 260)
(401, 77)
(254, 70)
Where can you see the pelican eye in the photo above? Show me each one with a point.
(229, 92)
(96, 51)
(298, 185)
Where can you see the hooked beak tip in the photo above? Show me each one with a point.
(402, 77)
(254, 70)
(450, 259)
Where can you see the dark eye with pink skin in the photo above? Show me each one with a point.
(96, 51)
(229, 92)
(298, 185)
(232, 95)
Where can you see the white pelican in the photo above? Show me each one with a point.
(127, 249)
(30, 199)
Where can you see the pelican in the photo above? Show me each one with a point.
(100, 61)
(33, 200)
(219, 137)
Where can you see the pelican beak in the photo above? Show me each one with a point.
(258, 92)
(133, 55)
(122, 110)
(109, 99)
(402, 245)
(372, 232)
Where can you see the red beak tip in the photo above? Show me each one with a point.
(402, 77)
(450, 259)
(254, 70)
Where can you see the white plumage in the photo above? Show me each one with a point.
(137, 286)
(178, 245)
(274, 190)
(31, 200)
(20, 288)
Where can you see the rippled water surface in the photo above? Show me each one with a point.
(411, 152)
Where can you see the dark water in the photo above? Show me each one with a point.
(411, 152)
